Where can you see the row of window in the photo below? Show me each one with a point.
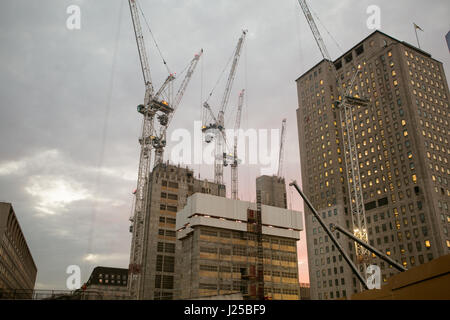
(168, 208)
(170, 196)
(167, 233)
(244, 236)
(167, 220)
(169, 184)
(112, 281)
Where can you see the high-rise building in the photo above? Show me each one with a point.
(402, 151)
(273, 191)
(169, 187)
(219, 245)
(17, 268)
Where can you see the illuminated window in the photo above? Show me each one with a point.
(427, 243)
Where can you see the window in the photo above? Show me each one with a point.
(172, 208)
(359, 50)
(172, 196)
(348, 58)
(173, 185)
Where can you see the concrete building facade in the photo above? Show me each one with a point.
(17, 268)
(170, 186)
(219, 249)
(273, 191)
(403, 152)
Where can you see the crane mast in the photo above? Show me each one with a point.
(141, 48)
(315, 30)
(350, 151)
(159, 141)
(138, 218)
(218, 124)
(234, 164)
(156, 112)
(281, 155)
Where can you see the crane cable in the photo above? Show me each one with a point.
(323, 26)
(153, 37)
(220, 77)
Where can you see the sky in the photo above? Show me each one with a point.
(68, 123)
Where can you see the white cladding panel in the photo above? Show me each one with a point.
(231, 211)
(274, 216)
(281, 232)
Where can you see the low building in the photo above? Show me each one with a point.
(218, 254)
(106, 283)
(17, 268)
(305, 293)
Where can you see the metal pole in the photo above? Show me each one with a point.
(336, 243)
(380, 254)
(417, 37)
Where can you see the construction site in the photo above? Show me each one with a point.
(373, 139)
(222, 249)
(163, 190)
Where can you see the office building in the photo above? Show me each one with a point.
(106, 283)
(402, 151)
(218, 253)
(17, 268)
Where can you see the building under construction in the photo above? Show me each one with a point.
(219, 249)
(169, 188)
(273, 190)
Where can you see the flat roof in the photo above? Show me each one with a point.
(363, 40)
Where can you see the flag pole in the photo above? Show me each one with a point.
(417, 37)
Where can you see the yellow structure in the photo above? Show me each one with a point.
(429, 281)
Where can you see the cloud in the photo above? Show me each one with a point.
(65, 150)
(105, 259)
(54, 192)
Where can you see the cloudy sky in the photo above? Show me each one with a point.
(68, 121)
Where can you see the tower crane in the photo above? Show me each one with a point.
(235, 160)
(217, 124)
(157, 111)
(281, 155)
(345, 105)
